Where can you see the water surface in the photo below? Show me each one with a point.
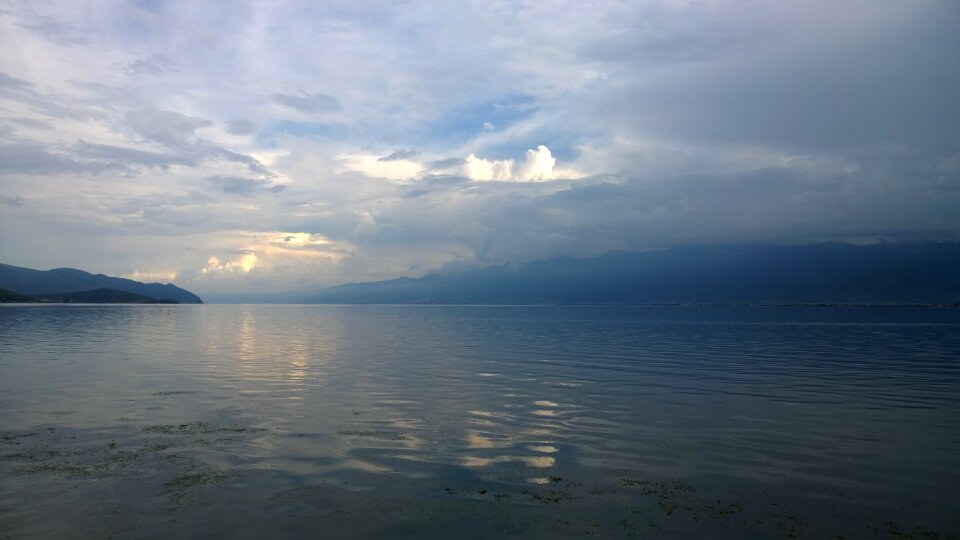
(479, 421)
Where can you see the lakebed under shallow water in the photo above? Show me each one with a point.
(479, 421)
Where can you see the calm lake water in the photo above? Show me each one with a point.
(460, 421)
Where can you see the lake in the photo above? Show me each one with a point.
(478, 421)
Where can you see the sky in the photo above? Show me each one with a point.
(280, 146)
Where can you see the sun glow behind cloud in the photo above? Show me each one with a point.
(151, 277)
(272, 254)
(307, 244)
(375, 166)
(243, 263)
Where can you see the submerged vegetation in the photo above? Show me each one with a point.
(168, 460)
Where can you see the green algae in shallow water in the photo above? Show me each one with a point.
(187, 481)
(370, 434)
(619, 508)
(61, 468)
(13, 438)
(85, 453)
(197, 428)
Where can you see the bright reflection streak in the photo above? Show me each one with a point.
(247, 336)
(539, 462)
(298, 364)
(476, 440)
(486, 440)
(365, 466)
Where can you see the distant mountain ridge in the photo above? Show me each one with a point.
(10, 296)
(827, 273)
(30, 282)
(100, 296)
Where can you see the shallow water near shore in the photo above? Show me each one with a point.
(478, 421)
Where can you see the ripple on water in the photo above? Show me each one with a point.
(560, 421)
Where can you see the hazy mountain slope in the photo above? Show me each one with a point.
(10, 296)
(32, 282)
(831, 273)
(101, 296)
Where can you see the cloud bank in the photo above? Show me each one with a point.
(295, 145)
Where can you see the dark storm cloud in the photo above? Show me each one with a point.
(823, 91)
(695, 38)
(307, 103)
(764, 206)
(496, 222)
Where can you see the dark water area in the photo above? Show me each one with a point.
(478, 422)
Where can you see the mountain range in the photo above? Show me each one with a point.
(815, 274)
(67, 284)
(880, 274)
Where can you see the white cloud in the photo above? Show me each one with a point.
(266, 261)
(483, 169)
(539, 165)
(376, 166)
(243, 263)
(151, 277)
